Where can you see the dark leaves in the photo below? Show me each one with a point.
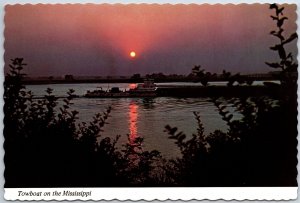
(286, 62)
(291, 38)
(277, 9)
(278, 34)
(273, 6)
(280, 49)
(281, 21)
(274, 65)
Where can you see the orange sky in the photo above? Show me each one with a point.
(97, 39)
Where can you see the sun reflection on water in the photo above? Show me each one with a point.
(133, 116)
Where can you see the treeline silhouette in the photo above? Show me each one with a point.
(45, 147)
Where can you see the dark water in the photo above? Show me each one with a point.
(143, 117)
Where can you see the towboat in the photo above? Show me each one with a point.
(146, 89)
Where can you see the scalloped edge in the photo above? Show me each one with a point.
(129, 3)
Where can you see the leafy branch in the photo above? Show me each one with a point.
(286, 63)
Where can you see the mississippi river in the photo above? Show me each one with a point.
(142, 117)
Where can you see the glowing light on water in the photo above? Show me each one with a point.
(133, 116)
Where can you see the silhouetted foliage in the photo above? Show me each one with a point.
(240, 79)
(260, 149)
(202, 76)
(207, 160)
(287, 63)
(44, 147)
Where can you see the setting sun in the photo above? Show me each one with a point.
(132, 54)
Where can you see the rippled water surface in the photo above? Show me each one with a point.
(144, 117)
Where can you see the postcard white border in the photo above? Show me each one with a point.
(225, 193)
(211, 193)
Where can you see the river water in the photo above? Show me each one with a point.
(142, 117)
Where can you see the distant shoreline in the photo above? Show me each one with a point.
(28, 81)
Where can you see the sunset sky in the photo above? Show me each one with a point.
(97, 39)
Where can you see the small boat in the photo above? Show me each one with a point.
(147, 89)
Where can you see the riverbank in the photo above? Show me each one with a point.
(78, 80)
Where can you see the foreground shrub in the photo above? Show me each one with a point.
(45, 148)
(258, 150)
